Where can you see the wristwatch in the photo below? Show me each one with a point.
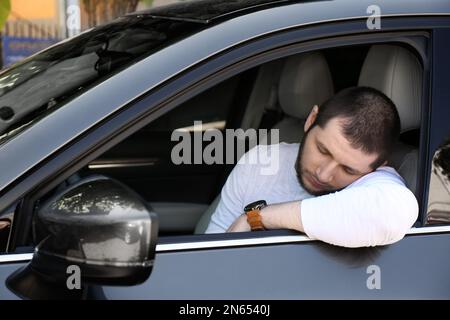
(252, 211)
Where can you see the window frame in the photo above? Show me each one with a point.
(194, 81)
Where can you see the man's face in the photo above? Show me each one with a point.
(326, 160)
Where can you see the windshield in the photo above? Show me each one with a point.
(38, 85)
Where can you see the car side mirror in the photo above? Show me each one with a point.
(98, 227)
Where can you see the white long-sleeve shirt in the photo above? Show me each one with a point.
(376, 209)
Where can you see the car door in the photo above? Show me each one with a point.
(285, 264)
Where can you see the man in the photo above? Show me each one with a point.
(341, 161)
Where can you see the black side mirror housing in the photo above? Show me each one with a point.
(97, 225)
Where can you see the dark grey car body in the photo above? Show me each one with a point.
(281, 264)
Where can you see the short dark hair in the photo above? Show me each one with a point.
(370, 120)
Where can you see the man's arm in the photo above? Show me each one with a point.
(363, 216)
(286, 215)
(376, 212)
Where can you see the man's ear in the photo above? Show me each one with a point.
(311, 117)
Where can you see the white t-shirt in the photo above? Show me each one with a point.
(376, 209)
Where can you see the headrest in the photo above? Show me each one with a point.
(396, 72)
(305, 81)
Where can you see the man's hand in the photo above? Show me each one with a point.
(240, 225)
(285, 215)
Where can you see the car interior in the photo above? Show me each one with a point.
(276, 95)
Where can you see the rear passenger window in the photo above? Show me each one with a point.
(438, 211)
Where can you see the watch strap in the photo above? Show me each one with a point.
(254, 219)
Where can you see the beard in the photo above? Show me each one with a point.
(299, 170)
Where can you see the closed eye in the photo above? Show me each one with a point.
(350, 171)
(346, 169)
(322, 150)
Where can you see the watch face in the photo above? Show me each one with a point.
(255, 205)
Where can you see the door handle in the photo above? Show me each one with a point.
(123, 163)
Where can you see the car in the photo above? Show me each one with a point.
(92, 204)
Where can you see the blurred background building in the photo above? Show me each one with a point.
(33, 25)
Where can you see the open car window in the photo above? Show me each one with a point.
(185, 194)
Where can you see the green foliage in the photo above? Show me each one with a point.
(147, 2)
(5, 9)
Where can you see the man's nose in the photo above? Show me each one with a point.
(325, 172)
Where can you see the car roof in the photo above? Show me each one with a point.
(208, 11)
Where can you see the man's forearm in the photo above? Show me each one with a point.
(285, 215)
